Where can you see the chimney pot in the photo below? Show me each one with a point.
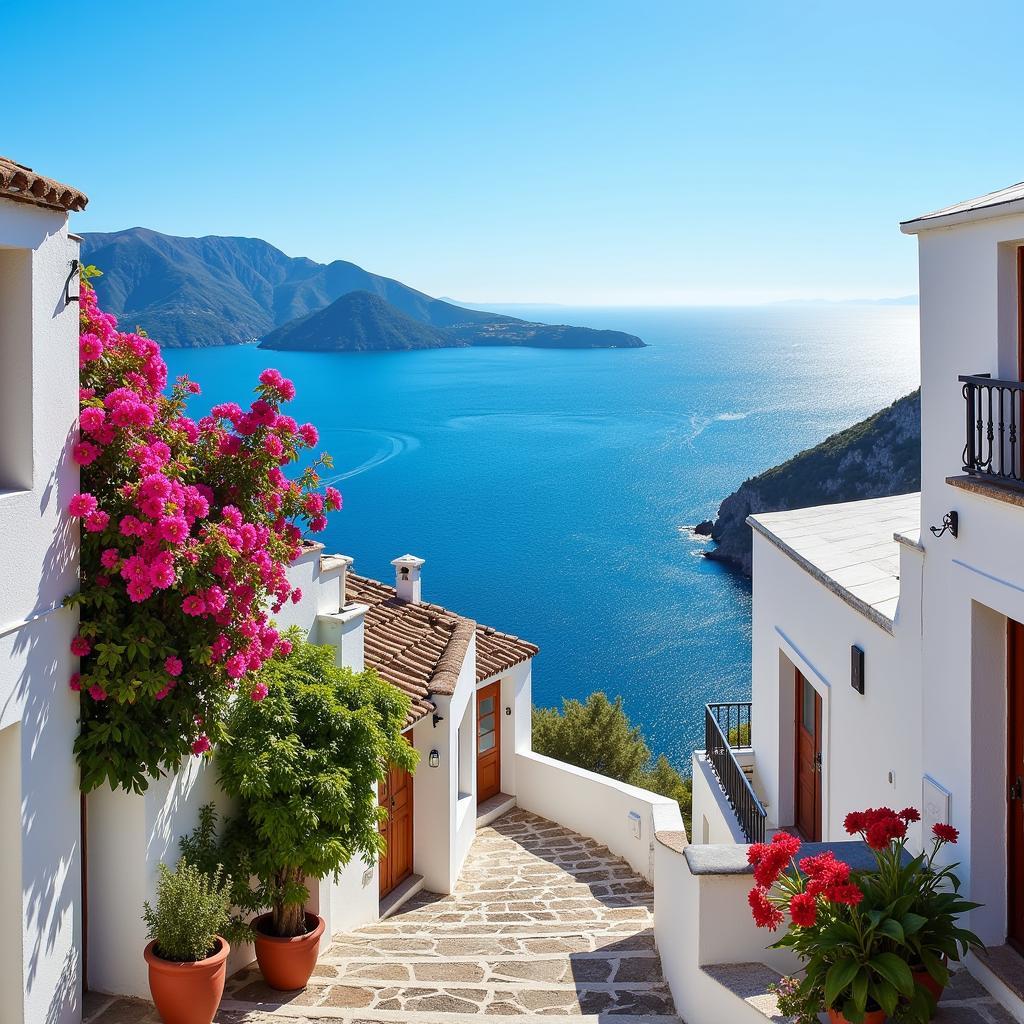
(407, 578)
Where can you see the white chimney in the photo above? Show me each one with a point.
(407, 578)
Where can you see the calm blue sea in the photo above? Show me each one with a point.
(549, 491)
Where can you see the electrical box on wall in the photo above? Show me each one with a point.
(857, 668)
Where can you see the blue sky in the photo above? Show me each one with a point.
(558, 151)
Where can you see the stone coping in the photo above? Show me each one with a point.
(731, 858)
(988, 489)
(823, 577)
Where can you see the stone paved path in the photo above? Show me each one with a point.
(544, 922)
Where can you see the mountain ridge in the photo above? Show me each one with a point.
(230, 290)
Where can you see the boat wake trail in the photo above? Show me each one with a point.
(391, 446)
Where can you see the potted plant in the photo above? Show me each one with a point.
(303, 763)
(936, 896)
(186, 955)
(861, 935)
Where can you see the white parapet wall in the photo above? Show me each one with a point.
(714, 820)
(623, 818)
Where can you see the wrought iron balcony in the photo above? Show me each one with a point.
(994, 421)
(726, 727)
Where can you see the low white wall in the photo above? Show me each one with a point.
(702, 920)
(714, 820)
(596, 806)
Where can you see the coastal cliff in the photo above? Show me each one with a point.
(872, 459)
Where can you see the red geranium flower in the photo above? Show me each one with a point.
(766, 914)
(909, 814)
(803, 909)
(847, 893)
(945, 833)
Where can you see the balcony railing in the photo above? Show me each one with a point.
(994, 421)
(727, 726)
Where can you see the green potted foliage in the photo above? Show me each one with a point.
(186, 954)
(871, 942)
(302, 765)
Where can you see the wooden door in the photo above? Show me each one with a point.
(395, 795)
(488, 742)
(1015, 784)
(808, 760)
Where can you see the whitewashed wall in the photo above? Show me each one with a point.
(973, 583)
(40, 865)
(799, 623)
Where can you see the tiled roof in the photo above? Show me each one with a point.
(420, 648)
(23, 185)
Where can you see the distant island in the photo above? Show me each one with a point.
(202, 292)
(875, 458)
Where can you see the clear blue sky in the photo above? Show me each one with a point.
(560, 151)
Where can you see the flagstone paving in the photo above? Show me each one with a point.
(543, 922)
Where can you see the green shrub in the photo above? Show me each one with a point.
(303, 766)
(192, 908)
(598, 735)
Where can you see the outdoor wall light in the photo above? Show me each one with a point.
(950, 524)
(434, 759)
(72, 273)
(437, 719)
(857, 668)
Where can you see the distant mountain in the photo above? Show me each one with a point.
(872, 459)
(358, 322)
(199, 292)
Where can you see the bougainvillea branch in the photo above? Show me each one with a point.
(188, 528)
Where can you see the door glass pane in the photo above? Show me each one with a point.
(807, 714)
(485, 725)
(486, 706)
(486, 742)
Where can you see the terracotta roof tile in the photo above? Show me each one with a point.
(23, 185)
(420, 648)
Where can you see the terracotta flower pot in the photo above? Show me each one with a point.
(922, 977)
(187, 993)
(871, 1017)
(287, 963)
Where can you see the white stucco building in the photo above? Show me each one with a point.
(888, 652)
(40, 851)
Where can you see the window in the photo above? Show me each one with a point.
(15, 369)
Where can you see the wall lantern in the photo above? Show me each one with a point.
(437, 719)
(434, 759)
(72, 274)
(857, 668)
(950, 525)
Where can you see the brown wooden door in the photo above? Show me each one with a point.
(395, 795)
(808, 760)
(488, 742)
(1015, 784)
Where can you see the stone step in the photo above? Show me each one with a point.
(432, 947)
(238, 1013)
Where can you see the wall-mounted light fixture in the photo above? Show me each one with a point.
(950, 525)
(437, 719)
(857, 668)
(72, 274)
(435, 759)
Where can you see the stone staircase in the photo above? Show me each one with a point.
(544, 922)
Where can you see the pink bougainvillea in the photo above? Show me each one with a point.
(188, 527)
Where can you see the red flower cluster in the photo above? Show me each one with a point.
(945, 833)
(771, 859)
(830, 878)
(880, 825)
(765, 913)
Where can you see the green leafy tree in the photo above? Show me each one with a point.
(303, 766)
(598, 735)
